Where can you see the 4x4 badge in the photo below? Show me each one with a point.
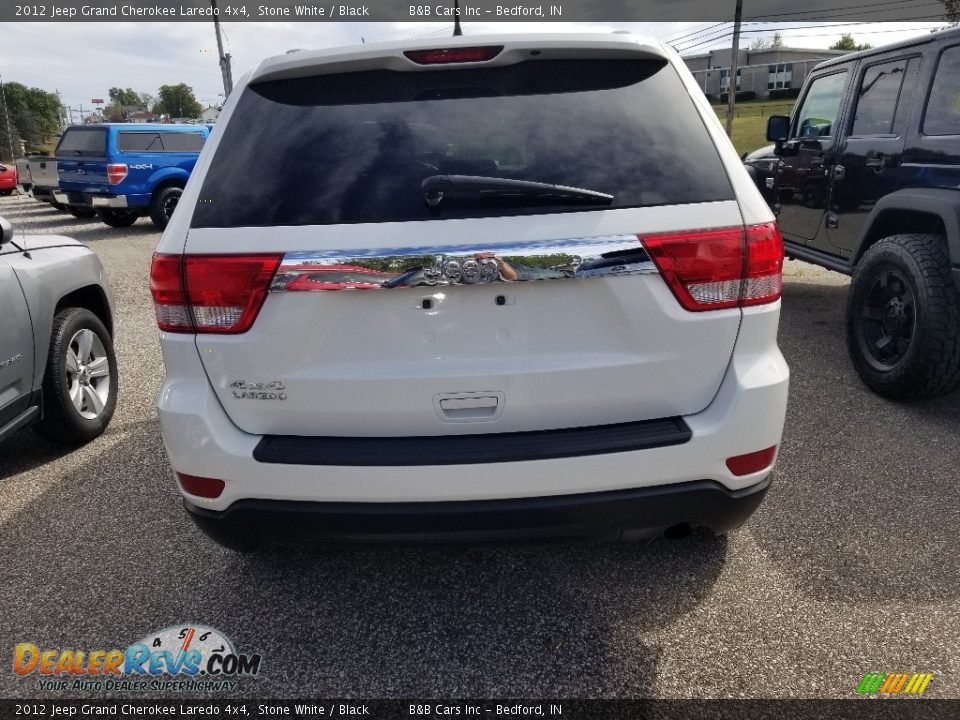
(243, 390)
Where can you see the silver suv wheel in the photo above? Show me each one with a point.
(88, 372)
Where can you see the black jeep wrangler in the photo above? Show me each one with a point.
(868, 184)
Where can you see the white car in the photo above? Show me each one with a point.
(512, 285)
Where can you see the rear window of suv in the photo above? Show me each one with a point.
(83, 142)
(356, 147)
(943, 107)
(159, 142)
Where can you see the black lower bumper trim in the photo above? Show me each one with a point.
(650, 511)
(471, 449)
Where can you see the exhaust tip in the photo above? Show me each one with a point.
(678, 531)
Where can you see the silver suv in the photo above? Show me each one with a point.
(509, 285)
(57, 367)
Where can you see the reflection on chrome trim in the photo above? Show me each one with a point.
(572, 258)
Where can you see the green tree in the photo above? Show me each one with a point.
(178, 101)
(848, 44)
(34, 116)
(119, 96)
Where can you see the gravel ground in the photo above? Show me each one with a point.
(851, 565)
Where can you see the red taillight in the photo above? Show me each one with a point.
(200, 486)
(169, 301)
(442, 56)
(764, 274)
(752, 462)
(210, 293)
(723, 268)
(116, 172)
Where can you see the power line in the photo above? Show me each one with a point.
(727, 33)
(812, 27)
(846, 7)
(874, 32)
(871, 11)
(817, 25)
(672, 40)
(875, 13)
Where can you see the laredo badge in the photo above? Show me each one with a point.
(243, 390)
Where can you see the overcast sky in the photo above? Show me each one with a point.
(83, 60)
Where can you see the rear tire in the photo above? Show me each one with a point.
(80, 380)
(903, 318)
(117, 218)
(163, 204)
(6, 192)
(79, 212)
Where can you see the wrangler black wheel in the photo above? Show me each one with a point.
(903, 318)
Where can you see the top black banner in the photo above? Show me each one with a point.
(842, 11)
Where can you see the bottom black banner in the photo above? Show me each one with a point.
(865, 709)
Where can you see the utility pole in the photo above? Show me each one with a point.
(734, 62)
(62, 112)
(6, 113)
(225, 69)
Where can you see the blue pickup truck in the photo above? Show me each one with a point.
(124, 170)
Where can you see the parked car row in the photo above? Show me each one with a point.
(543, 332)
(117, 172)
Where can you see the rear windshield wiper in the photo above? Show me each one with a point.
(474, 189)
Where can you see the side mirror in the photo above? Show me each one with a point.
(6, 231)
(778, 128)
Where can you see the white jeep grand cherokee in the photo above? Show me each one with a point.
(516, 285)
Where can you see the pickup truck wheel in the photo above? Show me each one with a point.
(163, 205)
(79, 212)
(117, 218)
(903, 318)
(80, 381)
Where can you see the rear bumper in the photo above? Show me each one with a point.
(100, 200)
(635, 513)
(746, 415)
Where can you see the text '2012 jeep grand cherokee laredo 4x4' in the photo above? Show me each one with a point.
(517, 285)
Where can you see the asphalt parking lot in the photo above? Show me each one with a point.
(851, 565)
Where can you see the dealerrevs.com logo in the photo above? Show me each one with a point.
(888, 684)
(178, 658)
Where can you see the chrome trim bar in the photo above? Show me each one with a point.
(567, 259)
